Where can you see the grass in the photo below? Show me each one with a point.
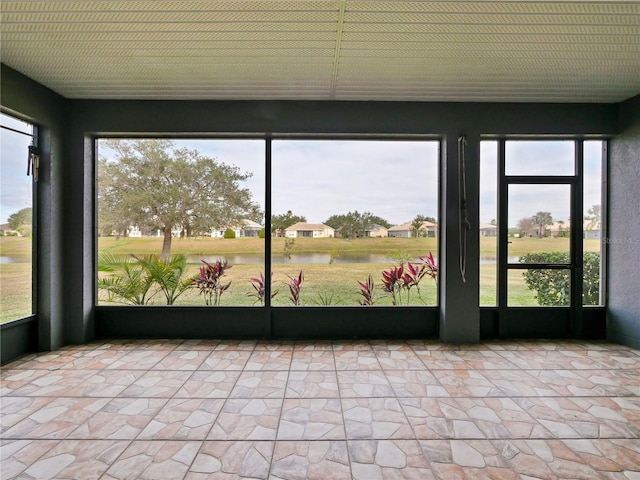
(15, 291)
(324, 283)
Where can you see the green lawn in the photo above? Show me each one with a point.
(324, 283)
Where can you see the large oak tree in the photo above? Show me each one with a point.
(152, 184)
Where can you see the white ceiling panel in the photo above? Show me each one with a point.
(535, 51)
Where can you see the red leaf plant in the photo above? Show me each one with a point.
(259, 285)
(209, 281)
(295, 285)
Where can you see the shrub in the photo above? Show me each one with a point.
(228, 233)
(553, 287)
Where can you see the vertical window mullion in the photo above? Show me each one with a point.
(503, 238)
(577, 247)
(267, 225)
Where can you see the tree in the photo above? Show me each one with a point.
(21, 218)
(351, 224)
(594, 217)
(417, 223)
(152, 184)
(541, 220)
(375, 220)
(279, 223)
(525, 225)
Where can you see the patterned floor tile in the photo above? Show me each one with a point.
(376, 419)
(151, 460)
(364, 383)
(486, 360)
(467, 383)
(199, 344)
(313, 360)
(143, 359)
(260, 385)
(398, 359)
(304, 460)
(388, 459)
(276, 345)
(311, 419)
(517, 383)
(120, 419)
(209, 384)
(96, 359)
(183, 419)
(467, 459)
(57, 418)
(312, 384)
(13, 379)
(563, 417)
(327, 409)
(356, 360)
(269, 360)
(16, 409)
(157, 384)
(441, 359)
(76, 459)
(236, 345)
(427, 417)
(226, 360)
(105, 383)
(415, 383)
(53, 383)
(18, 455)
(340, 346)
(244, 460)
(247, 419)
(182, 360)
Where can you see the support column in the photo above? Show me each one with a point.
(459, 256)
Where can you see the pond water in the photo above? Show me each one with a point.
(322, 258)
(4, 259)
(279, 258)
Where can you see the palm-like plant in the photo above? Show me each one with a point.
(167, 275)
(124, 278)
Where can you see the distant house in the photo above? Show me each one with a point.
(377, 231)
(488, 230)
(309, 230)
(247, 228)
(592, 229)
(560, 228)
(427, 229)
(5, 230)
(134, 231)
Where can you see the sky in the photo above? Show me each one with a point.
(395, 180)
(15, 186)
(538, 158)
(319, 178)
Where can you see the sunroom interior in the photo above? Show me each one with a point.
(448, 72)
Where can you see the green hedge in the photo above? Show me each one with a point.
(553, 287)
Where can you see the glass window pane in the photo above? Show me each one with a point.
(166, 207)
(539, 157)
(592, 226)
(544, 287)
(344, 212)
(539, 222)
(488, 222)
(16, 216)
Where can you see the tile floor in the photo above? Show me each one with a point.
(322, 410)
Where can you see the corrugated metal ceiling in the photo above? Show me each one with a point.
(536, 51)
